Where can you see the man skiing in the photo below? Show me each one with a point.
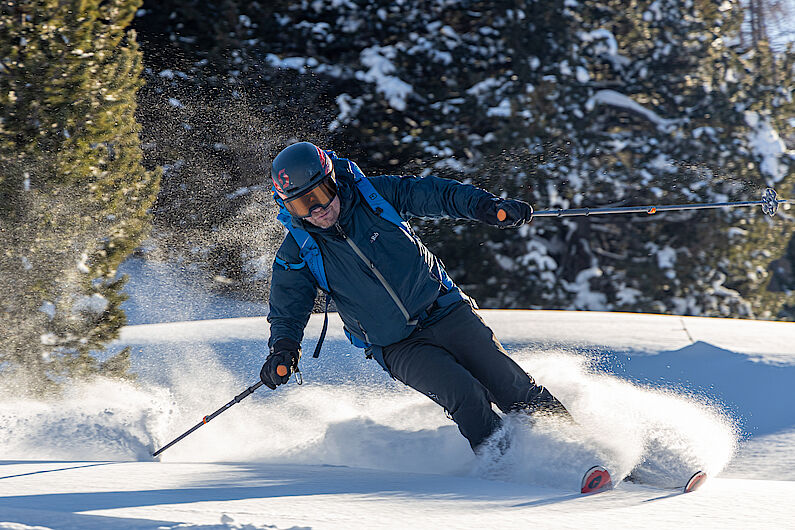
(348, 236)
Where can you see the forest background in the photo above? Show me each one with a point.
(148, 128)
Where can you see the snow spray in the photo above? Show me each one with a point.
(660, 436)
(373, 423)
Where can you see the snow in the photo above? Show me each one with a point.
(351, 448)
(48, 308)
(349, 107)
(160, 292)
(766, 144)
(96, 303)
(378, 60)
(82, 264)
(666, 257)
(486, 86)
(292, 63)
(605, 34)
(503, 110)
(586, 298)
(616, 99)
(326, 497)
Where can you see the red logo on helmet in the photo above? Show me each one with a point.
(282, 181)
(325, 161)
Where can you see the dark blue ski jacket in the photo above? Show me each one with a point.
(368, 310)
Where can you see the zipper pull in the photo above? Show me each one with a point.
(339, 231)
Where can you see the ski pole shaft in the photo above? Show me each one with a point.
(575, 212)
(238, 398)
(769, 203)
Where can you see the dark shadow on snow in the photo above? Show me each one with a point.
(274, 481)
(48, 470)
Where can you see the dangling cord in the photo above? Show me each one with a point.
(322, 332)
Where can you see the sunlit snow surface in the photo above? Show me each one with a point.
(352, 448)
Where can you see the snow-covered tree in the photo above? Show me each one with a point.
(674, 114)
(562, 104)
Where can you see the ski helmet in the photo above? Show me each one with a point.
(303, 177)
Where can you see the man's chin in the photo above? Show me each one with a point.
(324, 222)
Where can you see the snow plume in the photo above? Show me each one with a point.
(215, 214)
(382, 424)
(660, 436)
(372, 423)
(99, 420)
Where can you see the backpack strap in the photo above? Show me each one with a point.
(377, 203)
(385, 210)
(322, 337)
(287, 266)
(308, 249)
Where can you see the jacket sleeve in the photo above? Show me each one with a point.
(431, 197)
(292, 296)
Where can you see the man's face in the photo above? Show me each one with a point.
(325, 217)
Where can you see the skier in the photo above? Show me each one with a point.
(348, 235)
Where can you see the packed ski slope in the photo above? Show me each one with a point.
(350, 448)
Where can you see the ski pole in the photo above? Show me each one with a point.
(281, 370)
(769, 203)
(238, 398)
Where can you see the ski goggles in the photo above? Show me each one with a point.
(319, 196)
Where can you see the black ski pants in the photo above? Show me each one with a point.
(459, 364)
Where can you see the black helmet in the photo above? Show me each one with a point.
(303, 177)
(298, 168)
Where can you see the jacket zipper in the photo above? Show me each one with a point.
(378, 275)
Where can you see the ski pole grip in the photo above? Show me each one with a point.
(282, 370)
(501, 215)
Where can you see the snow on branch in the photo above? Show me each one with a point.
(378, 60)
(767, 145)
(616, 99)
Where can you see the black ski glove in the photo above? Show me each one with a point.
(515, 212)
(284, 352)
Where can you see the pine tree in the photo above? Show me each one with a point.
(73, 192)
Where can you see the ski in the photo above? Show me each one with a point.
(695, 481)
(595, 480)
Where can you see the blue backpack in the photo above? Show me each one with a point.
(311, 257)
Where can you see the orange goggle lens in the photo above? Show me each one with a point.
(319, 196)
